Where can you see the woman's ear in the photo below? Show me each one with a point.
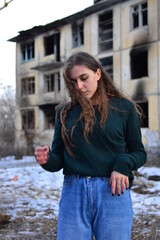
(98, 73)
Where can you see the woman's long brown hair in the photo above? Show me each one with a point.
(105, 88)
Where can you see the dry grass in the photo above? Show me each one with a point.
(146, 227)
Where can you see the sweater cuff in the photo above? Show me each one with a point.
(121, 166)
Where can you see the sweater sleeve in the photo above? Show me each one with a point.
(135, 157)
(56, 153)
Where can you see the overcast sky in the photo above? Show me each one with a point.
(25, 14)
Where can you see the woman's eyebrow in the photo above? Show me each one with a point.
(82, 75)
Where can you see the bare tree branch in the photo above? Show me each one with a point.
(5, 4)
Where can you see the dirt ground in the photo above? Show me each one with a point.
(46, 229)
(27, 226)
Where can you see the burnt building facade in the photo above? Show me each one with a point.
(124, 35)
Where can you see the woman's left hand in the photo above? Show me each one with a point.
(118, 181)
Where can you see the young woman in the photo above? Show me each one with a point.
(97, 142)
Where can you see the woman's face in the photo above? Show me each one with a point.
(86, 79)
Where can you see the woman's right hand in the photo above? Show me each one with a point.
(41, 154)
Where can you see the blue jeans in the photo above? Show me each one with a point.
(87, 207)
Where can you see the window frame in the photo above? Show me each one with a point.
(27, 86)
(28, 125)
(52, 82)
(108, 66)
(27, 51)
(140, 12)
(77, 32)
(105, 44)
(47, 40)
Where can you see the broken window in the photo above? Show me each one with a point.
(27, 86)
(144, 122)
(107, 64)
(27, 51)
(139, 15)
(139, 63)
(52, 45)
(49, 120)
(52, 82)
(77, 35)
(28, 119)
(49, 115)
(49, 45)
(106, 31)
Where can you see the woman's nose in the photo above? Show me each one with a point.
(79, 84)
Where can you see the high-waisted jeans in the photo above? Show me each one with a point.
(87, 207)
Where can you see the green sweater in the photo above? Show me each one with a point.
(117, 147)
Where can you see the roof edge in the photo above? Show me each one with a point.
(36, 30)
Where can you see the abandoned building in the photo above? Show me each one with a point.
(124, 35)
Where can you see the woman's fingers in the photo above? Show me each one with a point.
(118, 182)
(127, 182)
(41, 154)
(113, 186)
(123, 185)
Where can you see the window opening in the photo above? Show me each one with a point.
(27, 86)
(28, 119)
(107, 64)
(139, 15)
(106, 31)
(52, 45)
(49, 115)
(52, 82)
(140, 98)
(77, 35)
(27, 51)
(139, 63)
(49, 43)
